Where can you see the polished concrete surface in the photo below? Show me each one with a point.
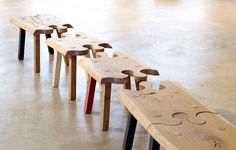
(189, 41)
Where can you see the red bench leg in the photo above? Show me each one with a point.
(91, 85)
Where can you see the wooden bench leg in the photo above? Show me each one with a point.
(91, 85)
(57, 69)
(66, 60)
(105, 106)
(137, 85)
(37, 53)
(50, 50)
(129, 133)
(72, 78)
(127, 85)
(153, 144)
(21, 46)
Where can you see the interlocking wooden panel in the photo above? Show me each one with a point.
(41, 24)
(177, 120)
(116, 69)
(79, 45)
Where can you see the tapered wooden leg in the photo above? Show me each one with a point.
(153, 144)
(57, 69)
(66, 60)
(21, 46)
(72, 82)
(94, 54)
(50, 50)
(129, 133)
(37, 53)
(137, 85)
(105, 106)
(127, 85)
(91, 85)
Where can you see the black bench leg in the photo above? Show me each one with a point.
(21, 46)
(129, 133)
(50, 50)
(153, 144)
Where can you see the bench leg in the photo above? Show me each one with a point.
(21, 46)
(129, 133)
(37, 53)
(72, 78)
(57, 69)
(66, 60)
(50, 50)
(105, 106)
(127, 85)
(153, 144)
(137, 85)
(91, 85)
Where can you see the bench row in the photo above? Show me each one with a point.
(171, 115)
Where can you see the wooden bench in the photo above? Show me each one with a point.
(108, 70)
(175, 119)
(70, 47)
(36, 25)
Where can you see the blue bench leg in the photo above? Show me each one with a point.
(129, 133)
(21, 46)
(153, 144)
(50, 50)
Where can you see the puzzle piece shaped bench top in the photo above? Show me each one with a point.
(78, 45)
(116, 69)
(41, 24)
(177, 120)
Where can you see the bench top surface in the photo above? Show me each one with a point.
(77, 45)
(177, 120)
(116, 69)
(41, 24)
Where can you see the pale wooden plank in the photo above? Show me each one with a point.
(116, 69)
(173, 116)
(41, 24)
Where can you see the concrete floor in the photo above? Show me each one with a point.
(189, 41)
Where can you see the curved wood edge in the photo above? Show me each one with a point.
(117, 80)
(169, 84)
(66, 52)
(141, 75)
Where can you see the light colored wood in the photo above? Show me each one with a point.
(37, 53)
(66, 60)
(70, 47)
(72, 78)
(79, 45)
(57, 69)
(105, 106)
(116, 69)
(41, 24)
(178, 120)
(127, 85)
